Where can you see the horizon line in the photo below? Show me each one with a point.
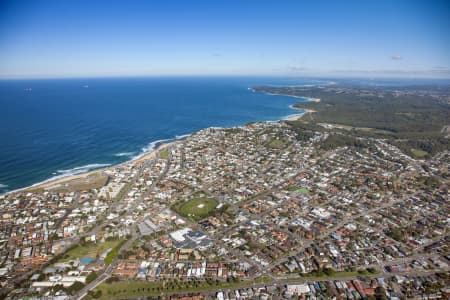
(343, 76)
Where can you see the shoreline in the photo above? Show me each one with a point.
(297, 117)
(47, 184)
(308, 99)
(159, 145)
(294, 117)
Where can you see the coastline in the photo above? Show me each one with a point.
(297, 117)
(54, 182)
(158, 145)
(308, 99)
(294, 117)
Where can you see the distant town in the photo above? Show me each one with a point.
(306, 208)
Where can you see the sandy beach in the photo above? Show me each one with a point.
(310, 99)
(152, 154)
(299, 116)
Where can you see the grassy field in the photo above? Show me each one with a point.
(90, 250)
(92, 181)
(114, 252)
(196, 208)
(164, 153)
(419, 153)
(277, 144)
(134, 289)
(292, 187)
(295, 187)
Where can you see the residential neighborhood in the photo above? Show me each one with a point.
(250, 212)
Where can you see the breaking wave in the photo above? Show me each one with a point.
(82, 169)
(74, 171)
(121, 154)
(153, 145)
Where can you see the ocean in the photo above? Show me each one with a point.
(51, 128)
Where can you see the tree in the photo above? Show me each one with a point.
(95, 294)
(91, 277)
(329, 271)
(380, 293)
(75, 287)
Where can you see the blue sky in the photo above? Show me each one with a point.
(300, 38)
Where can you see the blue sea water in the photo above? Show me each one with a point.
(59, 127)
